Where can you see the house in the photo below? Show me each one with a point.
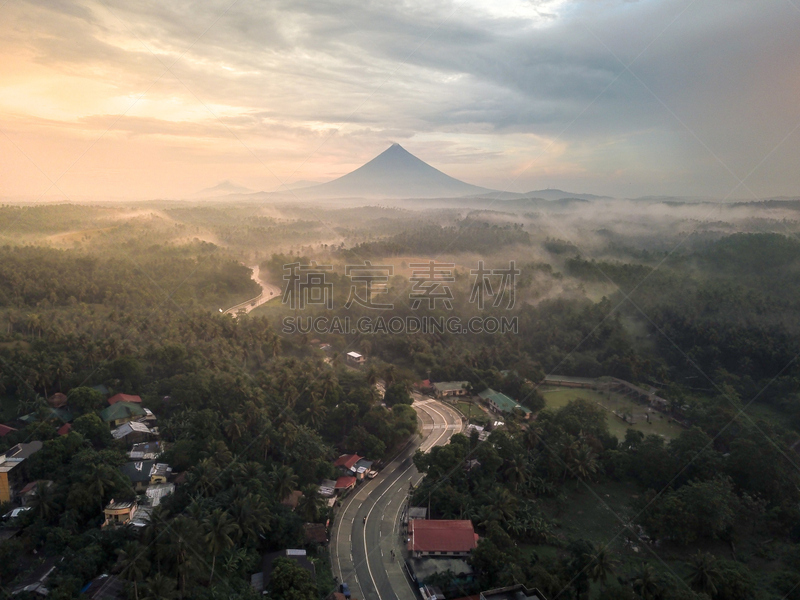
(119, 513)
(149, 418)
(347, 463)
(157, 491)
(445, 389)
(345, 484)
(121, 412)
(132, 432)
(315, 533)
(57, 400)
(146, 450)
(513, 592)
(28, 493)
(363, 468)
(260, 581)
(441, 538)
(36, 582)
(500, 403)
(104, 587)
(144, 473)
(354, 358)
(426, 568)
(124, 398)
(12, 471)
(483, 435)
(64, 429)
(5, 430)
(574, 382)
(327, 488)
(425, 386)
(413, 512)
(292, 500)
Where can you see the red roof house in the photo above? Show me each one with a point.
(345, 483)
(441, 537)
(5, 430)
(347, 461)
(64, 429)
(124, 398)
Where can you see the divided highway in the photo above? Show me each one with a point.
(361, 552)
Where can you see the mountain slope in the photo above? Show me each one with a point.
(223, 188)
(395, 173)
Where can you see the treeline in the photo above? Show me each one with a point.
(249, 417)
(42, 277)
(704, 495)
(466, 236)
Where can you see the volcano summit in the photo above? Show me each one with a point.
(395, 173)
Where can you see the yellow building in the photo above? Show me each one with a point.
(12, 473)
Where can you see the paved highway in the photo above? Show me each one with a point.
(361, 553)
(268, 292)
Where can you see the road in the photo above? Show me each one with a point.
(268, 292)
(361, 551)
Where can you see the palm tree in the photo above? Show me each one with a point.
(704, 574)
(284, 480)
(252, 517)
(159, 587)
(310, 504)
(584, 463)
(515, 472)
(316, 411)
(389, 375)
(218, 528)
(602, 565)
(44, 502)
(100, 480)
(134, 564)
(371, 375)
(328, 383)
(182, 542)
(646, 583)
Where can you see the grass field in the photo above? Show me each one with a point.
(556, 397)
(475, 413)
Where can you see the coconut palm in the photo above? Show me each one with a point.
(219, 529)
(134, 564)
(44, 501)
(310, 504)
(646, 583)
(602, 565)
(283, 480)
(704, 575)
(159, 587)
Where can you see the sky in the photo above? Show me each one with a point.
(115, 99)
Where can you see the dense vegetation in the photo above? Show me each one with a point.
(247, 416)
(251, 414)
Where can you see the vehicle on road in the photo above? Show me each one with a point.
(345, 589)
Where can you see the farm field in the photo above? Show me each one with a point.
(556, 397)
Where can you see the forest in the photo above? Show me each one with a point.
(128, 300)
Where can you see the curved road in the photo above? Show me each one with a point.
(268, 292)
(361, 552)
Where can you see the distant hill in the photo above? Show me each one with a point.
(223, 189)
(296, 185)
(395, 173)
(552, 194)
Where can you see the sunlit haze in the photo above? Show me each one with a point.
(115, 99)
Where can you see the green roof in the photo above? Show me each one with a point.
(121, 410)
(503, 402)
(447, 386)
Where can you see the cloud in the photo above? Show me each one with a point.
(711, 90)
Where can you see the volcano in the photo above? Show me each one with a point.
(394, 173)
